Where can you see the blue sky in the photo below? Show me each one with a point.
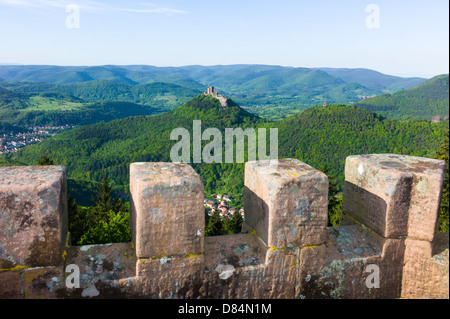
(412, 38)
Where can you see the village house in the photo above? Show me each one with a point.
(221, 207)
(210, 203)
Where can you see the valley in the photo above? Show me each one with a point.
(270, 91)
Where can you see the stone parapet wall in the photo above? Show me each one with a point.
(385, 248)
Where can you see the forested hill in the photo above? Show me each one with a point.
(374, 80)
(157, 94)
(18, 111)
(423, 102)
(209, 110)
(328, 135)
(317, 136)
(92, 151)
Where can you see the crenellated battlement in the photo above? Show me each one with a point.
(387, 246)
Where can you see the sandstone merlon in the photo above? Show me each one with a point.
(33, 216)
(167, 209)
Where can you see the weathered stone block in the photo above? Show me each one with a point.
(241, 266)
(167, 212)
(33, 219)
(312, 235)
(10, 285)
(169, 277)
(394, 195)
(337, 269)
(43, 283)
(425, 272)
(288, 207)
(101, 269)
(239, 250)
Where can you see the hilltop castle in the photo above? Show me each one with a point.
(210, 91)
(223, 100)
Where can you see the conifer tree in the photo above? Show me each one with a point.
(106, 222)
(78, 220)
(45, 160)
(104, 202)
(334, 199)
(233, 225)
(214, 226)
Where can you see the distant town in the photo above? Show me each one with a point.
(11, 143)
(221, 206)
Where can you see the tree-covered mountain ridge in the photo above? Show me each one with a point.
(267, 90)
(373, 79)
(196, 76)
(19, 111)
(165, 95)
(429, 100)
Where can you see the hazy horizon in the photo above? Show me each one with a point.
(401, 38)
(427, 76)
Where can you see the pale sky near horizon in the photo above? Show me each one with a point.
(412, 38)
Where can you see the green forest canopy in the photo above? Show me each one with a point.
(316, 136)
